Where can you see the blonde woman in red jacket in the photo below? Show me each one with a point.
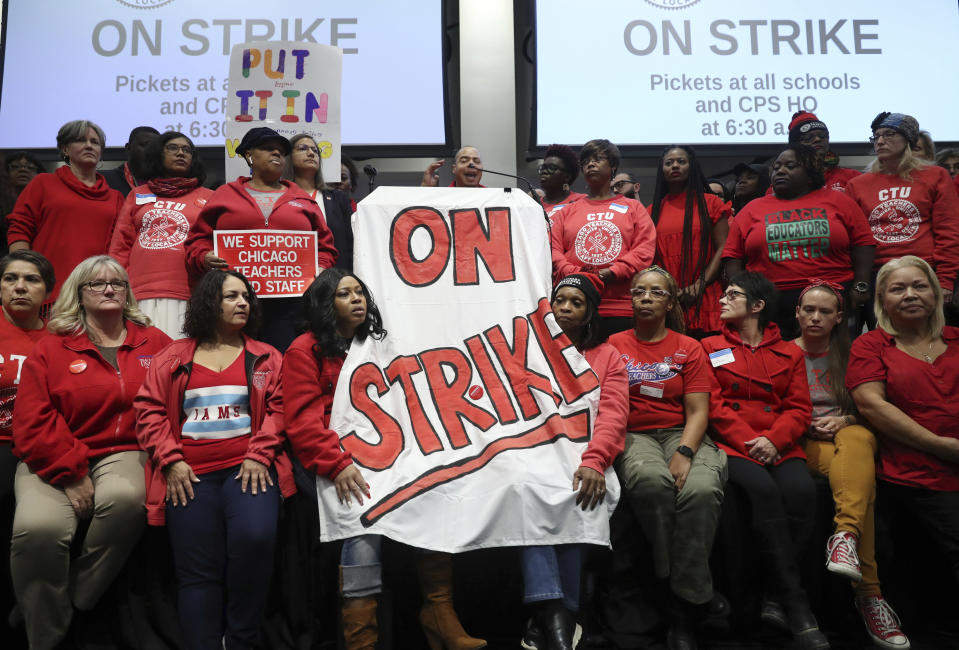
(759, 410)
(73, 430)
(153, 226)
(210, 416)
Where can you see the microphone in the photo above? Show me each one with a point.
(532, 192)
(370, 171)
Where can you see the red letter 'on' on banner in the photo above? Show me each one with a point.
(493, 245)
(412, 271)
(449, 396)
(381, 455)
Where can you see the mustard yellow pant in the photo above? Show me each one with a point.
(849, 461)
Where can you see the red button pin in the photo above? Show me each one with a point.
(78, 366)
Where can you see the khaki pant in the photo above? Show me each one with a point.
(679, 525)
(47, 581)
(849, 462)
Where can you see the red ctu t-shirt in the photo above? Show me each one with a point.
(926, 392)
(15, 346)
(659, 375)
(792, 240)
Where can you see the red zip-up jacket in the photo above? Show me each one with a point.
(73, 406)
(232, 208)
(159, 416)
(308, 388)
(763, 392)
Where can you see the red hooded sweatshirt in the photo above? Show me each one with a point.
(74, 406)
(66, 221)
(762, 391)
(159, 416)
(232, 208)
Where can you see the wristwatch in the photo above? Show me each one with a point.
(686, 451)
(861, 287)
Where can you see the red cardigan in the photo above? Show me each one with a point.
(73, 406)
(762, 392)
(232, 208)
(60, 217)
(308, 388)
(159, 416)
(609, 430)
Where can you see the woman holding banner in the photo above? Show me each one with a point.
(153, 225)
(338, 307)
(551, 574)
(262, 201)
(603, 233)
(672, 473)
(303, 168)
(210, 416)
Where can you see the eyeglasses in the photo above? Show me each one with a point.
(186, 149)
(303, 148)
(659, 294)
(548, 169)
(885, 135)
(618, 185)
(596, 158)
(30, 167)
(732, 294)
(99, 286)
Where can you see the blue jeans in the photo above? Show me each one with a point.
(552, 573)
(223, 549)
(360, 563)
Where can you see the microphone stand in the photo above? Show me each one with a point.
(532, 191)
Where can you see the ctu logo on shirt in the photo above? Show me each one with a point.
(597, 216)
(894, 193)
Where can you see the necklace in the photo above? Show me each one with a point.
(914, 353)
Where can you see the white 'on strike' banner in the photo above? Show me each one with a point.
(470, 417)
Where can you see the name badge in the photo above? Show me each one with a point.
(721, 357)
(652, 389)
(143, 199)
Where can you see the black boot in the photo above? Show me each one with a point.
(804, 627)
(556, 625)
(682, 633)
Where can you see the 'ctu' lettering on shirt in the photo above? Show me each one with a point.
(791, 234)
(894, 193)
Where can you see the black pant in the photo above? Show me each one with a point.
(937, 513)
(782, 499)
(280, 318)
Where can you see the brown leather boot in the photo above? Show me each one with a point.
(359, 623)
(438, 618)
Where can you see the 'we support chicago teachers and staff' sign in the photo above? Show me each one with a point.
(469, 419)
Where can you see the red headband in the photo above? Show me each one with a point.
(815, 283)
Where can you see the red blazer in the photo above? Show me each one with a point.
(73, 406)
(159, 416)
(232, 208)
(763, 392)
(308, 388)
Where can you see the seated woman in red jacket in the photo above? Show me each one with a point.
(760, 409)
(262, 201)
(672, 473)
(153, 225)
(73, 431)
(210, 416)
(551, 574)
(904, 377)
(338, 307)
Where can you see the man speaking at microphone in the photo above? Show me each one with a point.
(467, 170)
